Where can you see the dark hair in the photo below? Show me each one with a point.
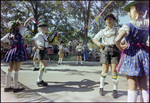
(61, 42)
(141, 8)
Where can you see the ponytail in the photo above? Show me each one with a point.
(147, 15)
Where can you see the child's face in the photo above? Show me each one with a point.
(18, 27)
(133, 13)
(109, 21)
(80, 43)
(44, 29)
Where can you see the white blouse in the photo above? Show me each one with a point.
(139, 23)
(60, 47)
(22, 30)
(79, 48)
(108, 35)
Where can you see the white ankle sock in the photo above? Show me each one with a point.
(141, 98)
(15, 79)
(40, 76)
(102, 79)
(132, 96)
(59, 60)
(115, 80)
(144, 95)
(8, 79)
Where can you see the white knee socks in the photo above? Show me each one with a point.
(8, 79)
(144, 95)
(59, 60)
(132, 96)
(15, 79)
(36, 64)
(41, 71)
(115, 80)
(102, 79)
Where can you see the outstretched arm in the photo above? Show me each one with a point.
(118, 39)
(25, 36)
(27, 21)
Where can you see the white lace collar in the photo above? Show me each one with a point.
(141, 23)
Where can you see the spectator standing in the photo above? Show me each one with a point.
(85, 51)
(50, 50)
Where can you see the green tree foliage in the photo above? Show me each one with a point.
(61, 16)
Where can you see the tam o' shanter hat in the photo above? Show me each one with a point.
(134, 2)
(12, 24)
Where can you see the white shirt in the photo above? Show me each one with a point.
(85, 45)
(61, 47)
(22, 30)
(79, 48)
(108, 35)
(139, 23)
(74, 41)
(66, 49)
(70, 43)
(39, 39)
(29, 50)
(50, 46)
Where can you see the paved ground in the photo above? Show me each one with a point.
(66, 83)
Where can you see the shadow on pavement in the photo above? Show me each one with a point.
(70, 71)
(82, 86)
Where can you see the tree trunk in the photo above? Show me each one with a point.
(87, 19)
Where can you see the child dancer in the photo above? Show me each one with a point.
(40, 42)
(110, 53)
(61, 52)
(79, 51)
(134, 61)
(16, 54)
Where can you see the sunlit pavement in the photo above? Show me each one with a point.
(66, 83)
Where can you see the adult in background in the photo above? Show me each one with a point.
(50, 51)
(85, 46)
(70, 44)
(74, 45)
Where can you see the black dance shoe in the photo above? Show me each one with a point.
(8, 89)
(42, 83)
(18, 89)
(101, 92)
(114, 94)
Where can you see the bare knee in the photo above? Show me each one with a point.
(132, 83)
(142, 82)
(10, 69)
(105, 68)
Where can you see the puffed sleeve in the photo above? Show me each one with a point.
(98, 35)
(125, 28)
(77, 47)
(22, 30)
(4, 39)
